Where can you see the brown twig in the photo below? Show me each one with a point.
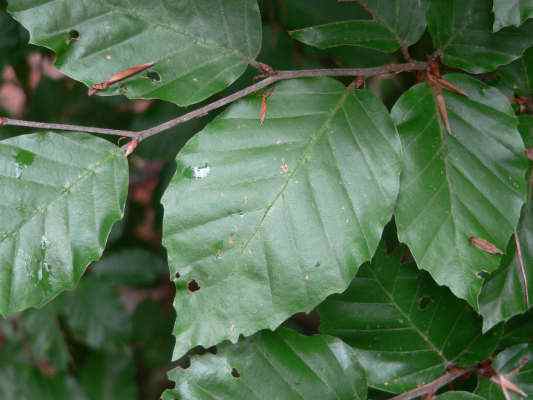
(280, 76)
(273, 77)
(66, 127)
(432, 387)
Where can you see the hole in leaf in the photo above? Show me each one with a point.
(483, 274)
(153, 76)
(235, 373)
(193, 286)
(177, 275)
(424, 302)
(73, 35)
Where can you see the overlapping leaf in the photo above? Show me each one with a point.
(12, 38)
(518, 330)
(462, 32)
(60, 195)
(395, 24)
(198, 47)
(510, 291)
(514, 365)
(511, 12)
(457, 185)
(518, 76)
(405, 329)
(262, 222)
(273, 365)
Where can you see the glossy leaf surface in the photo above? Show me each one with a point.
(273, 365)
(510, 291)
(262, 222)
(458, 185)
(60, 195)
(198, 47)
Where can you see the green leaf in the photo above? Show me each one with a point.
(273, 365)
(515, 365)
(12, 38)
(95, 314)
(393, 26)
(462, 32)
(405, 19)
(518, 330)
(405, 329)
(131, 266)
(363, 33)
(24, 382)
(469, 182)
(269, 220)
(199, 47)
(42, 332)
(60, 195)
(511, 12)
(518, 76)
(109, 377)
(510, 291)
(459, 396)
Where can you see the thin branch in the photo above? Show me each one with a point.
(280, 76)
(432, 387)
(269, 80)
(65, 127)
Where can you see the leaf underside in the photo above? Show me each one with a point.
(60, 196)
(469, 182)
(198, 47)
(269, 220)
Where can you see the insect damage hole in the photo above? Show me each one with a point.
(193, 286)
(73, 35)
(235, 373)
(153, 76)
(424, 302)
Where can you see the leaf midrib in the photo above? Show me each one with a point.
(302, 160)
(38, 210)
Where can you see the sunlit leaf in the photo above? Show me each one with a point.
(60, 196)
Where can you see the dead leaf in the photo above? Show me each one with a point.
(485, 245)
(263, 112)
(443, 111)
(118, 77)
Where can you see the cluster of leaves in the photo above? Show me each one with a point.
(281, 204)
